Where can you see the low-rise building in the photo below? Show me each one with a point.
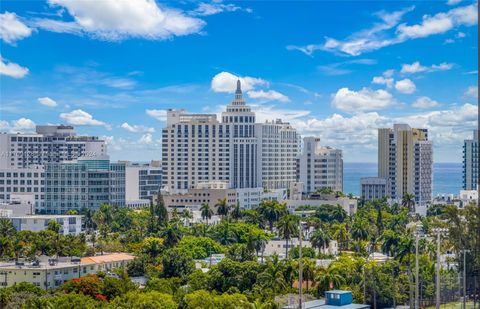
(49, 273)
(211, 193)
(69, 224)
(279, 247)
(372, 188)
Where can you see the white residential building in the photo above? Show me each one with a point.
(319, 167)
(69, 224)
(405, 157)
(48, 144)
(142, 181)
(278, 148)
(49, 273)
(199, 148)
(14, 181)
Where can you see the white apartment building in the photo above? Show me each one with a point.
(69, 224)
(279, 247)
(16, 181)
(48, 273)
(142, 181)
(278, 148)
(199, 148)
(405, 157)
(48, 144)
(372, 188)
(319, 167)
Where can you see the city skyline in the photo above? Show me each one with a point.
(335, 82)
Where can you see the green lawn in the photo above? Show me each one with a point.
(454, 305)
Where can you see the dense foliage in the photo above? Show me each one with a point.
(167, 253)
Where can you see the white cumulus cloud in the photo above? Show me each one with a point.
(416, 67)
(12, 69)
(20, 125)
(12, 29)
(472, 91)
(79, 117)
(227, 82)
(424, 102)
(269, 95)
(364, 100)
(118, 20)
(405, 86)
(47, 102)
(136, 128)
(159, 114)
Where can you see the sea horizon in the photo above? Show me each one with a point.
(447, 176)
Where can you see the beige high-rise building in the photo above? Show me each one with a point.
(198, 148)
(405, 157)
(319, 167)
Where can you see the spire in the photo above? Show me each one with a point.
(238, 94)
(239, 87)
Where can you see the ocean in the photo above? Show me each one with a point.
(447, 177)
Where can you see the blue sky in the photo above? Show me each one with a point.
(334, 69)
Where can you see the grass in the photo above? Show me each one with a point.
(454, 305)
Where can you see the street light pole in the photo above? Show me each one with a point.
(418, 229)
(300, 269)
(465, 278)
(438, 231)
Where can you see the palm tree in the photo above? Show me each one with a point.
(206, 212)
(271, 211)
(408, 201)
(236, 211)
(161, 211)
(320, 239)
(222, 207)
(328, 278)
(359, 232)
(172, 234)
(88, 218)
(390, 241)
(272, 277)
(288, 228)
(309, 268)
(6, 228)
(341, 235)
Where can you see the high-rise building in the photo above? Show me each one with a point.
(48, 144)
(319, 167)
(470, 162)
(83, 183)
(405, 157)
(142, 181)
(278, 148)
(198, 148)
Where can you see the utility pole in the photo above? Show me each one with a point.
(418, 230)
(300, 269)
(465, 278)
(439, 232)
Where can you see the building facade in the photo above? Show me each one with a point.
(83, 183)
(69, 224)
(199, 148)
(319, 167)
(48, 273)
(142, 181)
(372, 188)
(48, 144)
(405, 157)
(278, 148)
(29, 180)
(470, 162)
